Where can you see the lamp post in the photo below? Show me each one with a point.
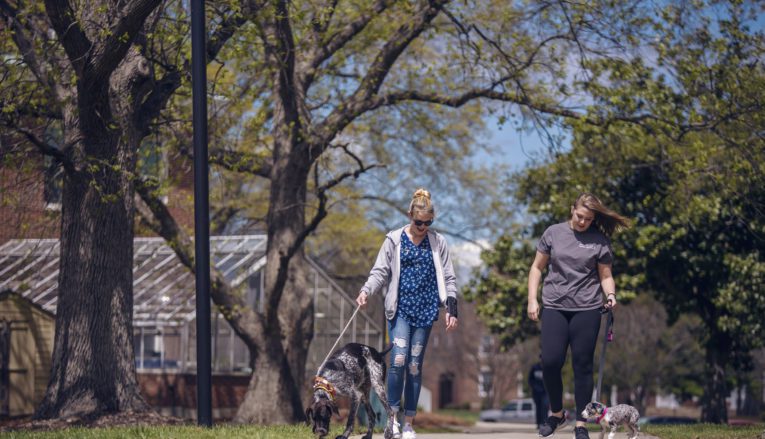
(201, 211)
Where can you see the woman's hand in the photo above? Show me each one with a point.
(361, 300)
(611, 301)
(451, 322)
(533, 309)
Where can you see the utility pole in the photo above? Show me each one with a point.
(201, 211)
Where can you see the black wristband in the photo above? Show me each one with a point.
(451, 306)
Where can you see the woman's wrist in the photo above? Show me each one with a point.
(611, 294)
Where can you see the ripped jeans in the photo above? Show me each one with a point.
(408, 353)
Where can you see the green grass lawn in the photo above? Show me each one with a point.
(699, 431)
(467, 415)
(705, 431)
(178, 432)
(693, 431)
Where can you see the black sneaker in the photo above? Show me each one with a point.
(551, 424)
(581, 433)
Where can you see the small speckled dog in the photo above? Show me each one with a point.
(353, 371)
(613, 417)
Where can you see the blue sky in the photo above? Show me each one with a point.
(518, 147)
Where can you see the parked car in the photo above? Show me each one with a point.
(517, 410)
(656, 420)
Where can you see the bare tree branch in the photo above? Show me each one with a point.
(376, 74)
(321, 193)
(243, 319)
(106, 56)
(72, 36)
(320, 24)
(237, 161)
(396, 206)
(324, 50)
(44, 147)
(339, 179)
(164, 89)
(24, 42)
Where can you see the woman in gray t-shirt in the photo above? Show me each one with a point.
(579, 256)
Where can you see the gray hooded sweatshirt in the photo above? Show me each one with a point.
(387, 269)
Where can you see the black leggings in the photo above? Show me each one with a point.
(579, 329)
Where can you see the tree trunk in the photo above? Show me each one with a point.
(296, 314)
(280, 366)
(93, 368)
(270, 381)
(713, 407)
(93, 364)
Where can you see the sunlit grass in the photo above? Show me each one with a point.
(696, 431)
(178, 432)
(465, 415)
(690, 431)
(705, 431)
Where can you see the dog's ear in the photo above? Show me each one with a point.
(309, 415)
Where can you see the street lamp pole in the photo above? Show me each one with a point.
(201, 212)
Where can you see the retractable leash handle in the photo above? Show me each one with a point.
(608, 336)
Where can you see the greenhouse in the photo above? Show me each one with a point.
(164, 300)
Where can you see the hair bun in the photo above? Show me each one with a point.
(421, 193)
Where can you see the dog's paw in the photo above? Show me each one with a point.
(367, 436)
(388, 433)
(342, 437)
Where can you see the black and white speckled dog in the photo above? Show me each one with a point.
(352, 371)
(613, 417)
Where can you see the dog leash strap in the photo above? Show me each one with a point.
(358, 307)
(607, 337)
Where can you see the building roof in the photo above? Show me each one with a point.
(163, 289)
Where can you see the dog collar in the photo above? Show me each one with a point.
(323, 384)
(605, 410)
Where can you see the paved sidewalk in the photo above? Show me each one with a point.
(500, 430)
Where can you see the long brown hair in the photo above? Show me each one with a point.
(606, 220)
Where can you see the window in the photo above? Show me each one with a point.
(54, 184)
(485, 382)
(486, 346)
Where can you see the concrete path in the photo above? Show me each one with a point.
(500, 430)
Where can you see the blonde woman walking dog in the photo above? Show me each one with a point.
(415, 273)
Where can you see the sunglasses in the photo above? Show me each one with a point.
(419, 223)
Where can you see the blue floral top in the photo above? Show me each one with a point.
(417, 288)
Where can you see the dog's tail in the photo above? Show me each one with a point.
(390, 346)
(372, 353)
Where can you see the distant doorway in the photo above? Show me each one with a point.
(445, 390)
(5, 355)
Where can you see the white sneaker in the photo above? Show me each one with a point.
(396, 428)
(408, 432)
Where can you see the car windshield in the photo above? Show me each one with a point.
(511, 407)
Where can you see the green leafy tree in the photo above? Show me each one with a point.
(680, 152)
(499, 290)
(692, 178)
